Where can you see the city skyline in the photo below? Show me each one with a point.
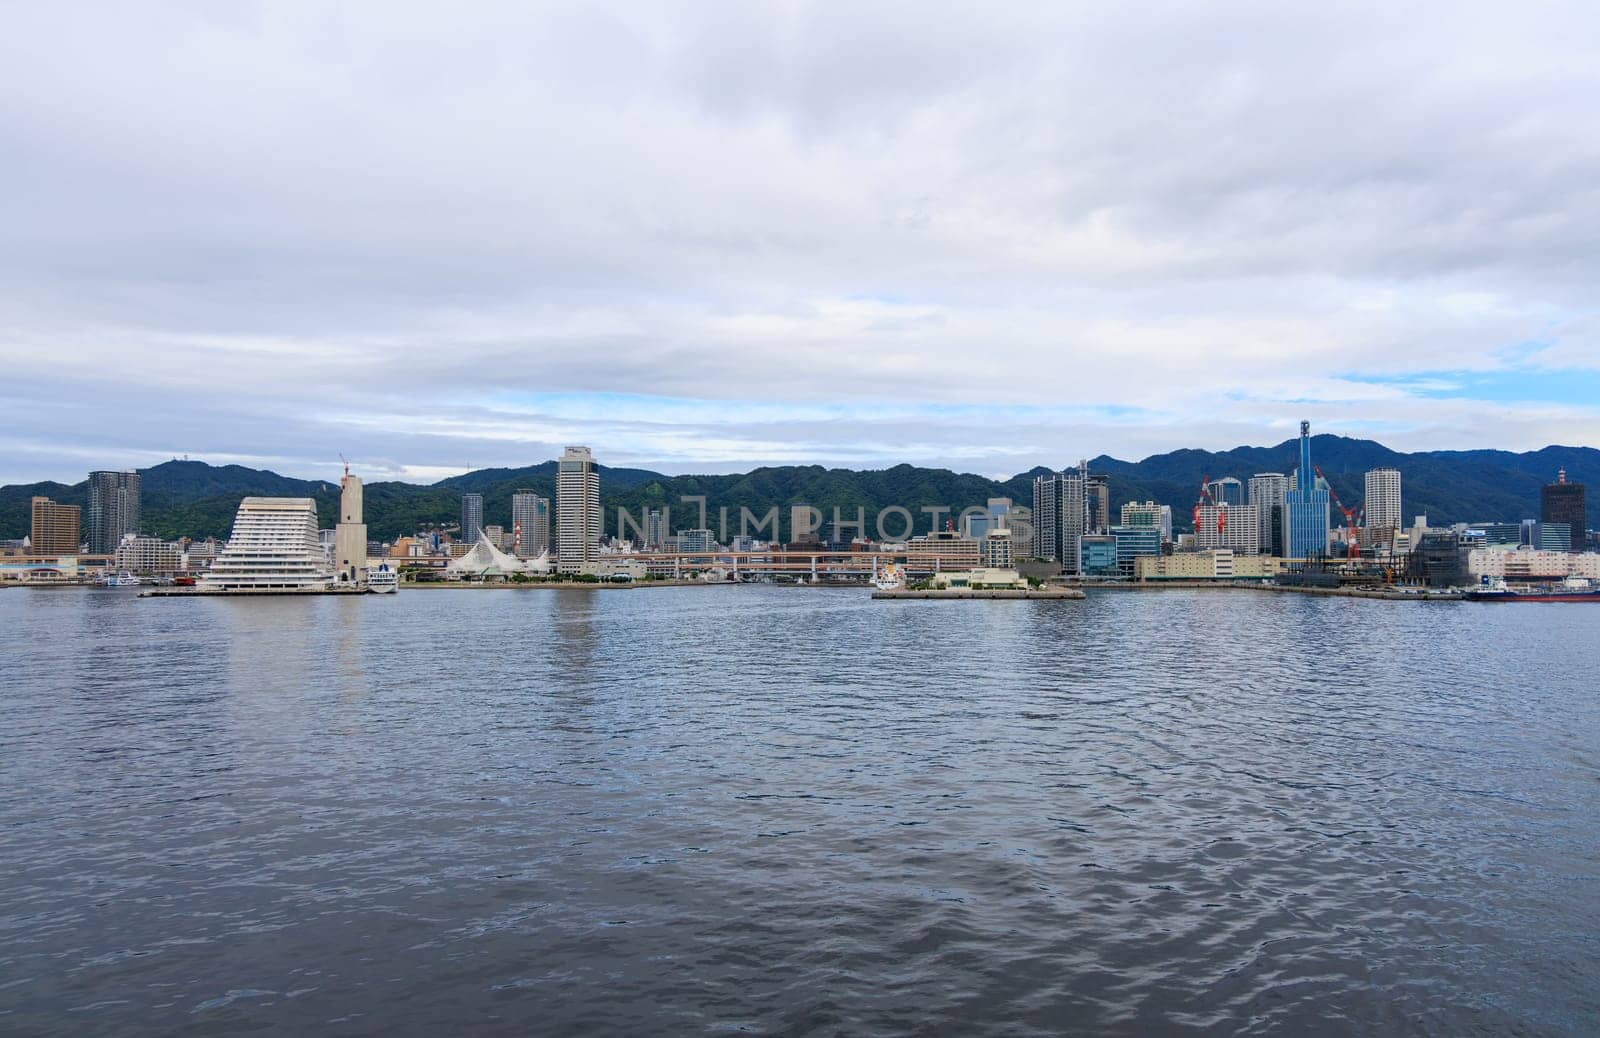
(844, 236)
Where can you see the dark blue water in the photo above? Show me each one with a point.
(786, 810)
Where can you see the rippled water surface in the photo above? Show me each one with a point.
(707, 810)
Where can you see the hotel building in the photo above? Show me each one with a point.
(55, 528)
(578, 518)
(274, 547)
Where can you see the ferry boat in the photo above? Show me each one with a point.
(889, 578)
(1573, 589)
(123, 579)
(383, 580)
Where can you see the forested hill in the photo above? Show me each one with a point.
(193, 498)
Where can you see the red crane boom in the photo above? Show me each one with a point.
(1352, 517)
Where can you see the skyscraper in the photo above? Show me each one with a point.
(471, 518)
(577, 509)
(1562, 502)
(55, 528)
(1268, 493)
(655, 528)
(1046, 520)
(113, 509)
(1306, 509)
(530, 524)
(1382, 502)
(1097, 507)
(1077, 515)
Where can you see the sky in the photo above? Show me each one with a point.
(706, 237)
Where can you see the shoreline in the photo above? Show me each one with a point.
(1061, 593)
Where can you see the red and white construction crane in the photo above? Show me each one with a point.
(1352, 517)
(1205, 498)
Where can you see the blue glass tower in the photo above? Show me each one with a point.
(1306, 509)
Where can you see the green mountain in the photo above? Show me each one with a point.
(193, 498)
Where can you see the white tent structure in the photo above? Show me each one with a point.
(485, 560)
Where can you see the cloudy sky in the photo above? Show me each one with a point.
(705, 237)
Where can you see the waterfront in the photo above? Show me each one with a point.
(785, 809)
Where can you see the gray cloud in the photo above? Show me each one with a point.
(288, 232)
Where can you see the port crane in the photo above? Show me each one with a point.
(1352, 517)
(1204, 499)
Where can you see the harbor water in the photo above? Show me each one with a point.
(787, 810)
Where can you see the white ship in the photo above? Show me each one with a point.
(889, 578)
(382, 580)
(123, 579)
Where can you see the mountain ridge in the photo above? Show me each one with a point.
(199, 499)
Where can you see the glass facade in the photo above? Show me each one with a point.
(1132, 542)
(1099, 555)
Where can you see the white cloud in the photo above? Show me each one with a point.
(292, 230)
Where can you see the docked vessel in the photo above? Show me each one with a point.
(382, 580)
(889, 578)
(123, 579)
(1572, 589)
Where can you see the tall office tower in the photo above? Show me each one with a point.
(1097, 492)
(113, 509)
(471, 518)
(655, 528)
(1046, 518)
(1166, 524)
(1306, 510)
(1268, 492)
(350, 536)
(577, 509)
(1227, 491)
(1562, 502)
(530, 524)
(1075, 515)
(55, 528)
(1382, 501)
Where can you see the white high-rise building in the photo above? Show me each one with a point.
(578, 517)
(1383, 499)
(274, 547)
(1234, 528)
(350, 536)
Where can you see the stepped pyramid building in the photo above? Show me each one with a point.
(274, 547)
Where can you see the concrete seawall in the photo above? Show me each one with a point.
(1055, 592)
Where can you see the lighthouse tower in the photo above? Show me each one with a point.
(350, 536)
